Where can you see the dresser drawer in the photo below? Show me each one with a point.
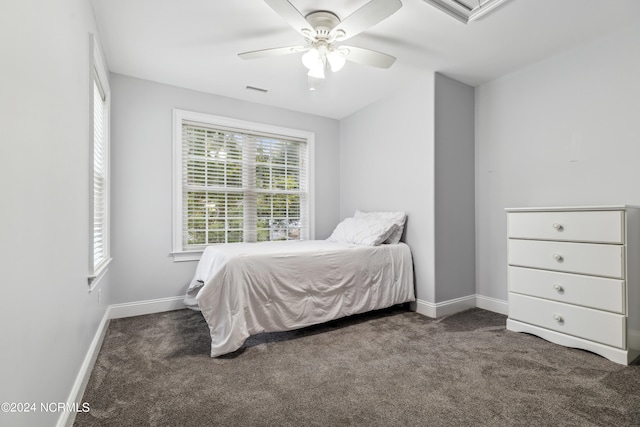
(599, 326)
(584, 226)
(588, 291)
(584, 258)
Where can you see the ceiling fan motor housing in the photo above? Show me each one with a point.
(323, 22)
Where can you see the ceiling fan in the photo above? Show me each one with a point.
(323, 31)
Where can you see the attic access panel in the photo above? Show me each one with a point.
(465, 10)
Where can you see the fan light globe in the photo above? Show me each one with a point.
(311, 58)
(336, 61)
(317, 71)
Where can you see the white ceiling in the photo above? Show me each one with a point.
(194, 44)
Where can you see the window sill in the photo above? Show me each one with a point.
(186, 256)
(97, 275)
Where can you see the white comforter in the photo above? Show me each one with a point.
(248, 288)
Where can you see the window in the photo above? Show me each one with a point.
(237, 181)
(99, 254)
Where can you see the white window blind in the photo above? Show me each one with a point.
(99, 177)
(99, 252)
(240, 185)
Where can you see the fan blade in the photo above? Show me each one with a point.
(367, 16)
(367, 57)
(290, 14)
(277, 51)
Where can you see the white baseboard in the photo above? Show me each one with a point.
(66, 419)
(140, 308)
(492, 304)
(445, 308)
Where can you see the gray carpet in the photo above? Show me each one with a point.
(387, 368)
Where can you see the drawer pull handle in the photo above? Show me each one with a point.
(557, 257)
(558, 318)
(558, 288)
(557, 226)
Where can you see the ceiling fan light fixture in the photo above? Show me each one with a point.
(317, 71)
(336, 60)
(311, 58)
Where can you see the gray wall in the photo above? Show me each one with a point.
(47, 316)
(386, 163)
(141, 157)
(414, 152)
(559, 133)
(454, 189)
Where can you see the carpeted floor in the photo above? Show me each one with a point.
(387, 368)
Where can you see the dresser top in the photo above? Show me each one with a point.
(574, 208)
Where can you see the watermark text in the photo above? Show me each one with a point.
(54, 407)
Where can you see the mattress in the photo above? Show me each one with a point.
(244, 289)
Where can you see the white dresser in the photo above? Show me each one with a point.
(574, 277)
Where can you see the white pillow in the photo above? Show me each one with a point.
(362, 231)
(398, 218)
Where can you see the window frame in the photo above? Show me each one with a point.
(177, 251)
(98, 76)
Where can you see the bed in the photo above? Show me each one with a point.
(244, 289)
